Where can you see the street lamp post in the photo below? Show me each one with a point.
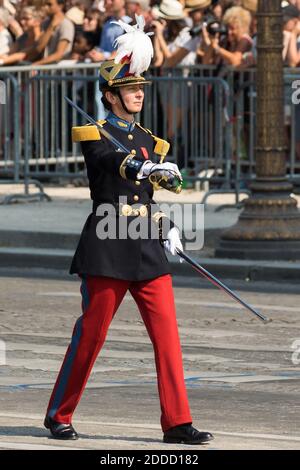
(269, 226)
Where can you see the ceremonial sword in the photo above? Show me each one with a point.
(189, 260)
(219, 284)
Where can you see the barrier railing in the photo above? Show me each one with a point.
(190, 111)
(209, 121)
(243, 89)
(9, 128)
(193, 114)
(12, 159)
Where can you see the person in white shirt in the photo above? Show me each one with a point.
(5, 36)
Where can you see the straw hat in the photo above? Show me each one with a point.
(169, 10)
(75, 15)
(191, 5)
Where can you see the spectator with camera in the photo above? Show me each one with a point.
(230, 48)
(171, 32)
(196, 10)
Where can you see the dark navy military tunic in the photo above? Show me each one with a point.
(128, 259)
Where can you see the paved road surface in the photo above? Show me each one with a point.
(242, 383)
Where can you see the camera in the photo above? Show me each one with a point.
(213, 27)
(159, 20)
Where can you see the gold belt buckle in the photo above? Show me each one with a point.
(126, 210)
(143, 211)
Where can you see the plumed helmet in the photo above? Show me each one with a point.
(134, 55)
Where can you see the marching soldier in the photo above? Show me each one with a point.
(109, 266)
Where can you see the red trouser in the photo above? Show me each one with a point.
(101, 297)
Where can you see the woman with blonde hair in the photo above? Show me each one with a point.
(238, 40)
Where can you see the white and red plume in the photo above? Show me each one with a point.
(134, 44)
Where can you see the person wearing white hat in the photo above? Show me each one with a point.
(196, 10)
(170, 29)
(76, 15)
(168, 10)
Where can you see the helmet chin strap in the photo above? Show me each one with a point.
(123, 104)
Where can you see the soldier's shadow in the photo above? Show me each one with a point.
(120, 438)
(33, 431)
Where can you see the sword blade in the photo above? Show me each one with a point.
(100, 128)
(220, 284)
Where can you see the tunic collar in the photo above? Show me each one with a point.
(120, 123)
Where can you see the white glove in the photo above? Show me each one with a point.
(161, 169)
(173, 241)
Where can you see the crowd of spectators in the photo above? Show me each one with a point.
(216, 33)
(187, 32)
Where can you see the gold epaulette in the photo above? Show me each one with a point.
(161, 146)
(87, 132)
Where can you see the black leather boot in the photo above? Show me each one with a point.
(60, 430)
(186, 434)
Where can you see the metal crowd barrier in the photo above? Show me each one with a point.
(189, 110)
(193, 114)
(9, 128)
(208, 116)
(12, 159)
(243, 89)
(292, 125)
